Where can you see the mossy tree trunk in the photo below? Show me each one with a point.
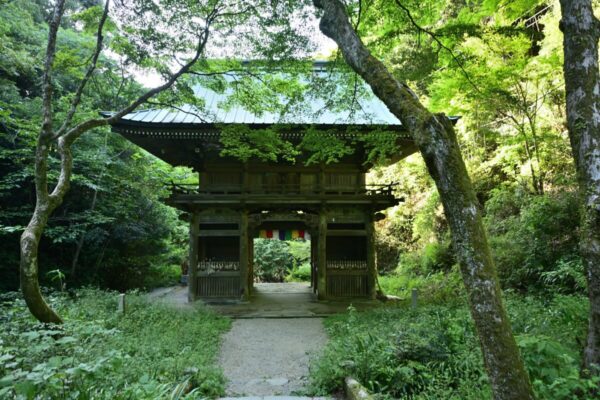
(582, 83)
(436, 139)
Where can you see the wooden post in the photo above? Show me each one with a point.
(251, 263)
(414, 298)
(322, 257)
(313, 260)
(121, 306)
(321, 179)
(244, 267)
(193, 257)
(371, 257)
(245, 179)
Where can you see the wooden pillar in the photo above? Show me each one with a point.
(245, 179)
(371, 256)
(321, 178)
(193, 257)
(313, 260)
(322, 257)
(244, 264)
(251, 263)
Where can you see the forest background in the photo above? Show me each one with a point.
(496, 64)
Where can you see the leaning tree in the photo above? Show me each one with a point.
(434, 135)
(168, 38)
(581, 31)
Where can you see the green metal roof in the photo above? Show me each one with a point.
(313, 109)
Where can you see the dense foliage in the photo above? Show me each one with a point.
(279, 260)
(433, 352)
(500, 69)
(150, 352)
(495, 64)
(112, 230)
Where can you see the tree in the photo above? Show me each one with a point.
(436, 139)
(582, 84)
(70, 129)
(167, 37)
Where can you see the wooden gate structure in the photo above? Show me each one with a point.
(233, 200)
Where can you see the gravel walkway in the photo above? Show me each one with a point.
(267, 357)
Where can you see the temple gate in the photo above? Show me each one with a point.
(234, 200)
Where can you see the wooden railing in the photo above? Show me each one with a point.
(347, 278)
(346, 264)
(218, 266)
(300, 189)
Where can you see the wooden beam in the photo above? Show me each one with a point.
(193, 258)
(347, 232)
(244, 255)
(322, 257)
(371, 257)
(219, 232)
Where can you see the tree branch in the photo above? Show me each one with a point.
(89, 72)
(59, 10)
(73, 133)
(67, 138)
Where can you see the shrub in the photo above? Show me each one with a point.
(433, 352)
(438, 287)
(534, 238)
(300, 274)
(274, 260)
(150, 352)
(162, 275)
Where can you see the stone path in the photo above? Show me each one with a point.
(265, 355)
(266, 358)
(273, 398)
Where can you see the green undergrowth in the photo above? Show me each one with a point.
(150, 352)
(439, 287)
(433, 352)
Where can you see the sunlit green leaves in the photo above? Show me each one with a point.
(323, 146)
(244, 143)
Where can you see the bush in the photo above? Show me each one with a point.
(274, 260)
(433, 352)
(534, 239)
(300, 274)
(150, 352)
(397, 353)
(438, 287)
(162, 275)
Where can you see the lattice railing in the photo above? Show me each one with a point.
(218, 266)
(300, 189)
(347, 264)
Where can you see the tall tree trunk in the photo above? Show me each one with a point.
(436, 139)
(30, 240)
(581, 32)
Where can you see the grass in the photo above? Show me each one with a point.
(151, 352)
(433, 352)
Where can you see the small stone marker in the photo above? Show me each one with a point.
(414, 297)
(121, 304)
